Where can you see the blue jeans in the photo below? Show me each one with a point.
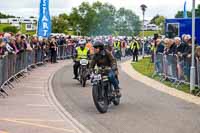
(112, 78)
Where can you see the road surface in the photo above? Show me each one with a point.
(142, 109)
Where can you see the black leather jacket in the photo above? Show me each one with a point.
(103, 59)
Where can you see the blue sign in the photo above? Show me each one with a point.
(44, 22)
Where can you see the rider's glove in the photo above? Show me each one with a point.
(114, 67)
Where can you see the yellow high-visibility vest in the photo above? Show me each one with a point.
(117, 45)
(81, 54)
(153, 48)
(134, 47)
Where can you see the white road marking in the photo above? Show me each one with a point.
(42, 95)
(38, 105)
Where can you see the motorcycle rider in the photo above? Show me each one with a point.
(103, 58)
(81, 52)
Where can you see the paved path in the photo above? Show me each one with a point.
(143, 109)
(29, 108)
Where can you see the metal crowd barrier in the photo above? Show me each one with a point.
(158, 63)
(175, 68)
(170, 64)
(12, 65)
(65, 51)
(198, 74)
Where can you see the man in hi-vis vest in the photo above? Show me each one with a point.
(81, 52)
(117, 45)
(117, 49)
(135, 49)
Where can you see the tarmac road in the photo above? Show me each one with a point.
(142, 109)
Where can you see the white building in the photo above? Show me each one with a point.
(152, 27)
(3, 21)
(30, 27)
(30, 22)
(13, 20)
(19, 20)
(149, 26)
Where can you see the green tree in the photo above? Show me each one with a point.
(74, 19)
(31, 17)
(103, 19)
(6, 16)
(82, 17)
(160, 20)
(103, 22)
(12, 29)
(154, 18)
(60, 24)
(127, 23)
(179, 14)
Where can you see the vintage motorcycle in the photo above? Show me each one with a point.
(102, 90)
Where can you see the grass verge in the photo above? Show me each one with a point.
(22, 30)
(146, 68)
(148, 33)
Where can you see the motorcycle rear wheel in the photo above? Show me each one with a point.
(116, 101)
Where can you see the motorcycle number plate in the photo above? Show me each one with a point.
(97, 77)
(83, 62)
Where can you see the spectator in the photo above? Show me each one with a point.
(135, 50)
(34, 43)
(2, 48)
(166, 44)
(23, 43)
(159, 46)
(172, 47)
(12, 43)
(185, 39)
(187, 56)
(9, 49)
(90, 47)
(123, 48)
(197, 53)
(20, 43)
(188, 49)
(179, 51)
(179, 46)
(45, 48)
(53, 49)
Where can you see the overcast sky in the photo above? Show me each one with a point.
(28, 8)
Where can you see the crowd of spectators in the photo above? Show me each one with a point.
(15, 44)
(176, 56)
(181, 47)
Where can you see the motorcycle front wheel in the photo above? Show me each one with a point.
(100, 100)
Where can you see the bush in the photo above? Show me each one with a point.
(12, 29)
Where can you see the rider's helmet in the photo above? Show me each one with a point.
(107, 43)
(82, 43)
(98, 44)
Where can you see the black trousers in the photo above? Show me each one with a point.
(76, 67)
(135, 57)
(53, 56)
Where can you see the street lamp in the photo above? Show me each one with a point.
(77, 29)
(143, 7)
(192, 70)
